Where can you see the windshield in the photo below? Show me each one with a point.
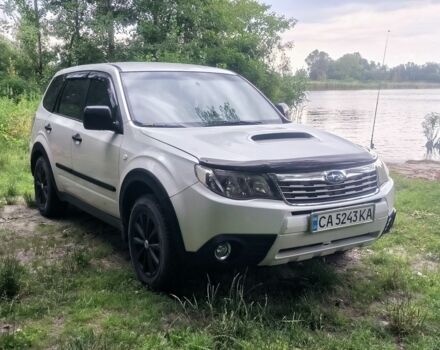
(182, 99)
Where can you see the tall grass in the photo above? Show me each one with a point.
(16, 118)
(405, 316)
(229, 314)
(15, 126)
(11, 272)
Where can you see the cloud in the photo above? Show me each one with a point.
(355, 27)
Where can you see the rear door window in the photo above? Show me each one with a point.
(73, 98)
(52, 92)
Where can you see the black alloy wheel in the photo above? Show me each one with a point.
(41, 185)
(146, 244)
(150, 245)
(46, 197)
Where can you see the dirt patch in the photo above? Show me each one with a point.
(418, 169)
(111, 262)
(36, 238)
(425, 263)
(345, 260)
(21, 225)
(22, 220)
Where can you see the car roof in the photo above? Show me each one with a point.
(147, 67)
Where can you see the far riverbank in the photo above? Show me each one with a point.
(362, 85)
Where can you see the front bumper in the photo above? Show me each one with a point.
(390, 222)
(205, 216)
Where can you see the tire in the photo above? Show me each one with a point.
(151, 248)
(46, 197)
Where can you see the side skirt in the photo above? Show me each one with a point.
(107, 218)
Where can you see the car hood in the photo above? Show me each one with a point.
(264, 147)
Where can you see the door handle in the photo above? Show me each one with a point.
(77, 138)
(48, 127)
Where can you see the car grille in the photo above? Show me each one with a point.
(312, 188)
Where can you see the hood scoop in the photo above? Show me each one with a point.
(281, 136)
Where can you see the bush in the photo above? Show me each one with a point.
(431, 129)
(16, 118)
(11, 273)
(29, 199)
(405, 317)
(15, 87)
(76, 260)
(15, 341)
(11, 194)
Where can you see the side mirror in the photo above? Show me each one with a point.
(98, 118)
(284, 109)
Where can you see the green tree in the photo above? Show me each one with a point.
(353, 66)
(108, 18)
(241, 35)
(69, 27)
(27, 17)
(318, 63)
(349, 66)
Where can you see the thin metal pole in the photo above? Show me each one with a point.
(378, 92)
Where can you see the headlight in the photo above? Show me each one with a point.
(233, 184)
(383, 173)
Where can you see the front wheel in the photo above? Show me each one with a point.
(150, 244)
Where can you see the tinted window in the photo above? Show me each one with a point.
(73, 98)
(52, 93)
(195, 99)
(99, 94)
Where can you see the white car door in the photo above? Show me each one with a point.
(61, 124)
(95, 153)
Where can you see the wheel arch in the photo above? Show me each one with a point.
(38, 151)
(139, 182)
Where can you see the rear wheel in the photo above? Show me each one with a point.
(46, 197)
(150, 244)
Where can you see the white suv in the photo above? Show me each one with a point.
(195, 165)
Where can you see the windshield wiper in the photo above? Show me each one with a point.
(238, 122)
(214, 123)
(162, 125)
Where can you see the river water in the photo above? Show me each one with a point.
(349, 113)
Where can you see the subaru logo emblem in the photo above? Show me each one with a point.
(335, 176)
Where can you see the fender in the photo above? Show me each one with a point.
(40, 146)
(146, 177)
(164, 162)
(37, 150)
(146, 183)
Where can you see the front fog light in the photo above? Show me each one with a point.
(222, 251)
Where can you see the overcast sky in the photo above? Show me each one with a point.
(338, 27)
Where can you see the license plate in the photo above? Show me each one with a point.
(332, 219)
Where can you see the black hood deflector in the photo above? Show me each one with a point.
(298, 165)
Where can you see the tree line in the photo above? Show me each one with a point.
(353, 66)
(42, 36)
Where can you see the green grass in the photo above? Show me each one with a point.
(74, 287)
(15, 124)
(15, 178)
(78, 291)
